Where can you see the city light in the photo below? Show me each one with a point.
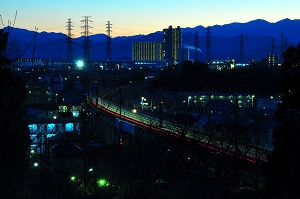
(79, 64)
(102, 183)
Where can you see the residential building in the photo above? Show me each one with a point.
(147, 51)
(38, 92)
(172, 41)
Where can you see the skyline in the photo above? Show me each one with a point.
(133, 17)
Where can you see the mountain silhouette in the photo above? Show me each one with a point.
(225, 41)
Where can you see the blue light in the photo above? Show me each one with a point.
(80, 64)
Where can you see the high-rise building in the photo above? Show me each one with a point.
(172, 41)
(147, 51)
(272, 60)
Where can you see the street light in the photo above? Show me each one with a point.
(189, 98)
(253, 96)
(143, 99)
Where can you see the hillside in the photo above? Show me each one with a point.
(225, 41)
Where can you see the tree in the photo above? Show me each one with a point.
(282, 170)
(14, 133)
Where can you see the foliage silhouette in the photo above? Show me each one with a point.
(14, 133)
(282, 171)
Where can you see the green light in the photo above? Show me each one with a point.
(73, 178)
(102, 182)
(36, 164)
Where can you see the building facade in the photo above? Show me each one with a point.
(172, 42)
(272, 60)
(147, 51)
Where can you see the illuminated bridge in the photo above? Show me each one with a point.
(127, 120)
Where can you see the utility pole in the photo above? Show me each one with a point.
(69, 41)
(108, 55)
(86, 43)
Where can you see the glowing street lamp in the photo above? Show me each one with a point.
(143, 99)
(188, 101)
(253, 96)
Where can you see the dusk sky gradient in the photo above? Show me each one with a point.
(134, 17)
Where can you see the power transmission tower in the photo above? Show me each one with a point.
(86, 43)
(241, 48)
(273, 46)
(208, 44)
(281, 46)
(196, 47)
(69, 42)
(108, 55)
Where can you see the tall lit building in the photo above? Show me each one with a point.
(147, 51)
(172, 41)
(272, 60)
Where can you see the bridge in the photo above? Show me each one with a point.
(127, 119)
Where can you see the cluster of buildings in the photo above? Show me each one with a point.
(55, 95)
(169, 50)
